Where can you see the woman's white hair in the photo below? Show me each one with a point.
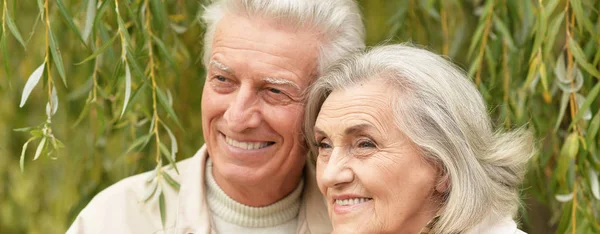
(442, 112)
(337, 21)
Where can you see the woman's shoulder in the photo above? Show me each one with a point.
(496, 225)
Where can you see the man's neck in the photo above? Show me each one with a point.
(259, 194)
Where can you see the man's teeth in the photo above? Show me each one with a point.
(246, 145)
(347, 202)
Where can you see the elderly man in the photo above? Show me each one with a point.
(252, 176)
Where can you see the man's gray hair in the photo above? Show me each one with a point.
(337, 21)
(442, 112)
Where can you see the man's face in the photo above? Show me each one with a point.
(252, 103)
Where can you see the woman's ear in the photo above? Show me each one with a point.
(443, 183)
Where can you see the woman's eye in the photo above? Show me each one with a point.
(366, 144)
(322, 145)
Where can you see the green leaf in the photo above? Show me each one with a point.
(162, 98)
(57, 57)
(165, 52)
(163, 211)
(124, 32)
(40, 4)
(581, 59)
(27, 129)
(553, 32)
(476, 38)
(588, 102)
(89, 19)
(159, 15)
(40, 148)
(506, 35)
(134, 64)
(22, 160)
(593, 128)
(165, 152)
(99, 50)
(582, 18)
(13, 28)
(170, 180)
(69, 20)
(32, 81)
(138, 142)
(33, 28)
(174, 148)
(101, 10)
(561, 113)
(4, 48)
(150, 191)
(127, 88)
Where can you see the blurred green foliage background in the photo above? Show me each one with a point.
(536, 63)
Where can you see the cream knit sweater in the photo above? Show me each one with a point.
(230, 216)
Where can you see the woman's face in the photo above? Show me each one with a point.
(373, 177)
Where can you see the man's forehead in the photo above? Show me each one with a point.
(267, 79)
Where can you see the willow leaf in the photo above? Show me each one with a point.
(124, 32)
(99, 50)
(32, 81)
(4, 48)
(40, 4)
(100, 12)
(174, 148)
(172, 182)
(134, 64)
(165, 52)
(162, 98)
(163, 211)
(476, 38)
(582, 17)
(563, 107)
(505, 32)
(150, 191)
(22, 159)
(165, 152)
(581, 59)
(553, 30)
(127, 88)
(138, 142)
(57, 57)
(586, 105)
(90, 15)
(593, 129)
(40, 148)
(13, 28)
(69, 19)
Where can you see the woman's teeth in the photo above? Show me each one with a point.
(246, 145)
(347, 202)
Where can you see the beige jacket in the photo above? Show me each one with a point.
(120, 209)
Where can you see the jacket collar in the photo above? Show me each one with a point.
(193, 215)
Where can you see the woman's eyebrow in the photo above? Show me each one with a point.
(353, 130)
(280, 81)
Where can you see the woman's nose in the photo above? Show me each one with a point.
(243, 111)
(337, 171)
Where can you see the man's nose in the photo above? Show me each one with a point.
(337, 171)
(243, 111)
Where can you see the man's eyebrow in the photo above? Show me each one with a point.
(280, 81)
(221, 66)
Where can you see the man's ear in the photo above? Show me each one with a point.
(443, 183)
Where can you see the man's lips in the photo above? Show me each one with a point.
(247, 145)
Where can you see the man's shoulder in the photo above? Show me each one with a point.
(132, 202)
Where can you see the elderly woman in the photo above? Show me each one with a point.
(403, 144)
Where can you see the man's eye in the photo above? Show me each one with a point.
(273, 90)
(221, 78)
